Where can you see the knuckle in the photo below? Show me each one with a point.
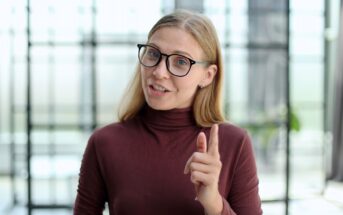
(219, 164)
(192, 166)
(196, 156)
(195, 174)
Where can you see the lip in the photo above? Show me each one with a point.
(157, 90)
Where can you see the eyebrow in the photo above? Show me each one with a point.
(175, 52)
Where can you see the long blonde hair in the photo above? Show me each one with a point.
(207, 101)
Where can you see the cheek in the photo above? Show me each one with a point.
(187, 86)
(189, 83)
(145, 72)
(142, 71)
(143, 80)
(144, 75)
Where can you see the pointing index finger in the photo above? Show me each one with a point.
(213, 148)
(201, 143)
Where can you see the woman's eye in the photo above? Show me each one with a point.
(153, 54)
(181, 61)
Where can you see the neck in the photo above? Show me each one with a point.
(168, 119)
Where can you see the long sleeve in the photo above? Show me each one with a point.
(243, 198)
(137, 168)
(91, 193)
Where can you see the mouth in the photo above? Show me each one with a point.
(158, 88)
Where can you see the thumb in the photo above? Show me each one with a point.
(201, 143)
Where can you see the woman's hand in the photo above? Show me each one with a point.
(204, 167)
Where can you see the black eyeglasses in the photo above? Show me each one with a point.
(177, 65)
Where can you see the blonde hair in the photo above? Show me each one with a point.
(207, 101)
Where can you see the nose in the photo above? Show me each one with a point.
(160, 71)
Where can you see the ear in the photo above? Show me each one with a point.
(210, 73)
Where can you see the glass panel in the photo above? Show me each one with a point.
(71, 42)
(116, 68)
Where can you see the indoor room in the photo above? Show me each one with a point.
(65, 68)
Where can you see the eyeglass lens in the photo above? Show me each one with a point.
(177, 64)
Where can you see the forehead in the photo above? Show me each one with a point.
(176, 40)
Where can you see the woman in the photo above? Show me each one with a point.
(171, 152)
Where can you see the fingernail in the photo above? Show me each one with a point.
(196, 198)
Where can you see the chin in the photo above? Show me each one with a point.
(159, 106)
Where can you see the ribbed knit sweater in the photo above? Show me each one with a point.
(137, 167)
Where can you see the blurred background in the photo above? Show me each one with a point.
(64, 66)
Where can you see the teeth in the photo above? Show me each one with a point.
(159, 88)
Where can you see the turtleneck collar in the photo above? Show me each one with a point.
(168, 119)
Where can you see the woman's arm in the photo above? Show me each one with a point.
(91, 192)
(243, 198)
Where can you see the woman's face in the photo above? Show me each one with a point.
(164, 91)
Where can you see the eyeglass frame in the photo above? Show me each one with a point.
(192, 62)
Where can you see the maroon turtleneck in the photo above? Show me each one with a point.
(137, 167)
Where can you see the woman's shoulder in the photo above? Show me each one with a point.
(115, 130)
(232, 134)
(228, 129)
(233, 138)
